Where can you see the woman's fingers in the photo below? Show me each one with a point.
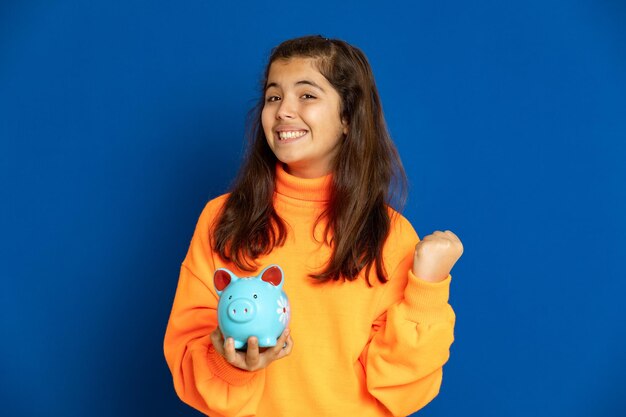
(254, 358)
(287, 348)
(284, 345)
(230, 354)
(217, 339)
(252, 353)
(436, 254)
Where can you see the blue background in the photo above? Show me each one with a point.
(120, 119)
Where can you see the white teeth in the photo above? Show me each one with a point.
(291, 134)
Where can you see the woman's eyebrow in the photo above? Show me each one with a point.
(311, 83)
(301, 82)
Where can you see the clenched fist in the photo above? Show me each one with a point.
(435, 255)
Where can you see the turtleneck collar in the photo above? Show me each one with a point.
(308, 189)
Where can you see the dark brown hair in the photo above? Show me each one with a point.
(367, 174)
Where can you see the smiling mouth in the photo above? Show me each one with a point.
(291, 134)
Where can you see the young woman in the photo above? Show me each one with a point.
(371, 326)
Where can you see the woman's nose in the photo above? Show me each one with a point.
(286, 110)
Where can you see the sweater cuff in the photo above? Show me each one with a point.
(426, 302)
(227, 372)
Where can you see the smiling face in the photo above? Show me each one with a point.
(301, 117)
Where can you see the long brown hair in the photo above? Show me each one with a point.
(367, 174)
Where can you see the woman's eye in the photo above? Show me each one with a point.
(308, 96)
(272, 99)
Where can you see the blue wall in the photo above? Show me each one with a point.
(120, 119)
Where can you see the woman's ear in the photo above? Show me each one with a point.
(346, 126)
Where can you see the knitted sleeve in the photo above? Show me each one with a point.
(410, 341)
(202, 378)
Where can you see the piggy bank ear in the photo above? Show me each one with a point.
(221, 279)
(274, 275)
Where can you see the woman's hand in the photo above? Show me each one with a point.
(435, 255)
(254, 358)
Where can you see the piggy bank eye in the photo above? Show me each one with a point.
(255, 296)
(230, 297)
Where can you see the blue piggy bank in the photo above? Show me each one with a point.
(252, 306)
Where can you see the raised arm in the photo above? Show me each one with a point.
(410, 342)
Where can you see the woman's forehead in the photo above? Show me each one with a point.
(294, 71)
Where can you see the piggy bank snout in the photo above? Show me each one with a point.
(241, 310)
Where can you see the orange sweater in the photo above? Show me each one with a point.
(358, 350)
